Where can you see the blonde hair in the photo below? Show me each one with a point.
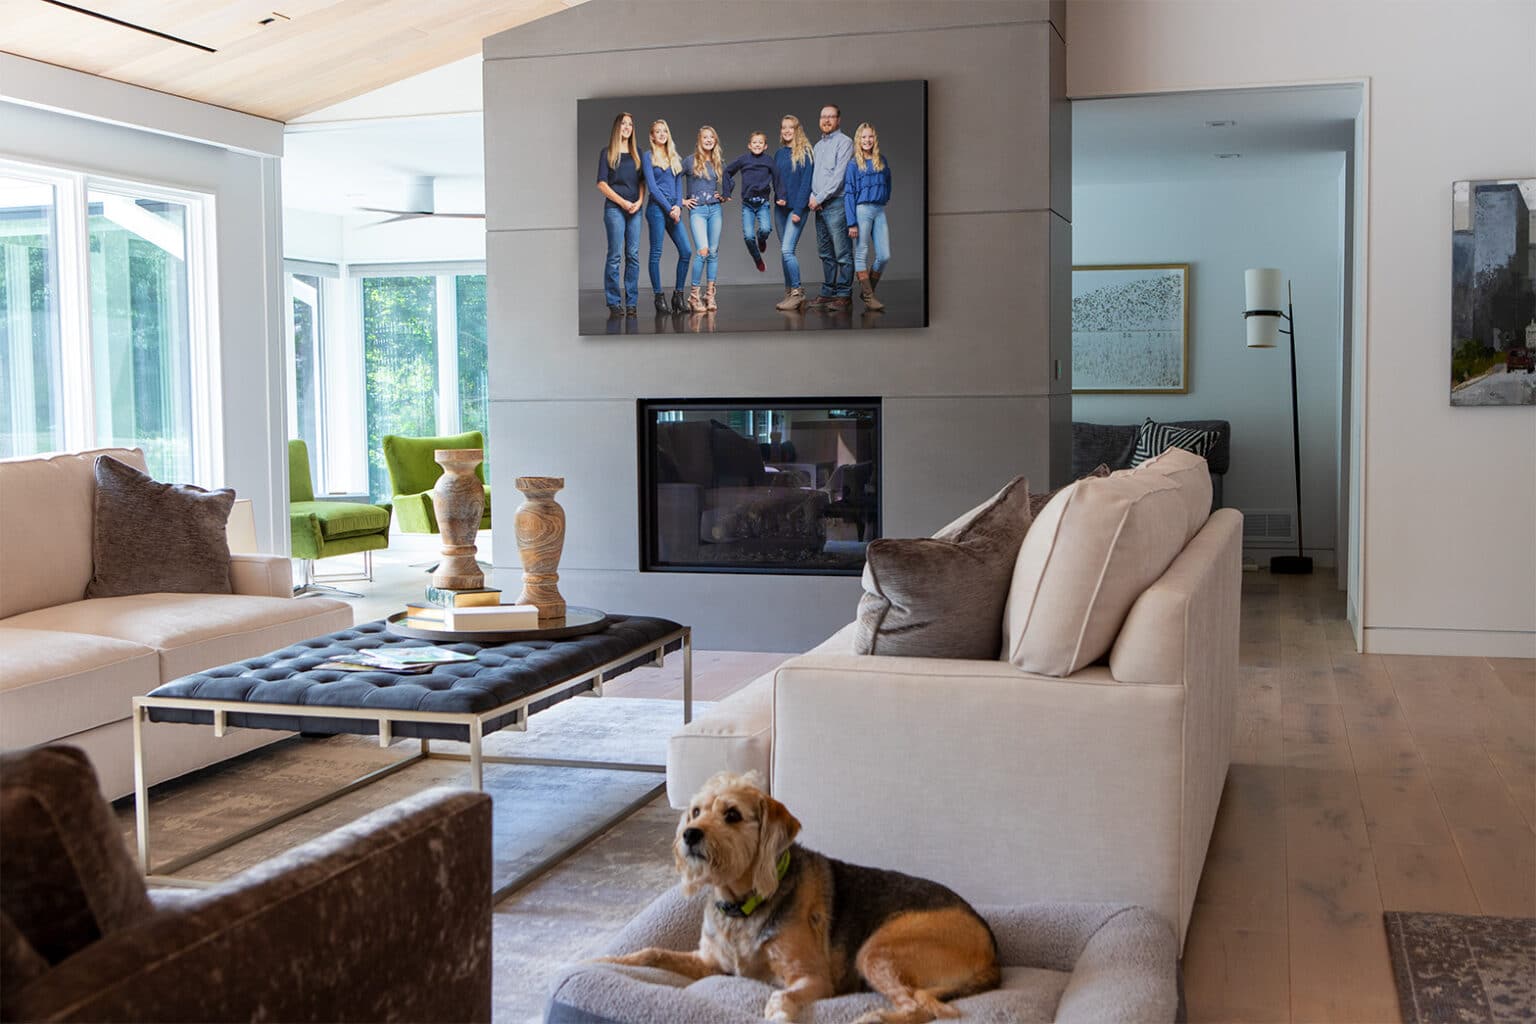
(664, 156)
(874, 153)
(616, 144)
(701, 158)
(799, 146)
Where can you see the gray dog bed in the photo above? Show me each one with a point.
(1088, 962)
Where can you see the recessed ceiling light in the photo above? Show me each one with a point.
(1229, 156)
(1220, 124)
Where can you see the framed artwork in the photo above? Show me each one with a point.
(683, 191)
(1130, 329)
(1493, 292)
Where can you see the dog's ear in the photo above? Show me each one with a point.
(776, 829)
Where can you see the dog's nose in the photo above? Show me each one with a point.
(693, 836)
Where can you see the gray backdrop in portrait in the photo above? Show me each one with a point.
(896, 109)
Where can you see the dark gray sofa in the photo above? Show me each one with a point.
(1111, 444)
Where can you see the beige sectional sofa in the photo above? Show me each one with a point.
(1010, 785)
(70, 666)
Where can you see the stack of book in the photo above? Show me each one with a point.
(469, 611)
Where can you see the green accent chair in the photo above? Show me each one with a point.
(324, 529)
(413, 473)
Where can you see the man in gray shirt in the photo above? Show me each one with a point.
(830, 157)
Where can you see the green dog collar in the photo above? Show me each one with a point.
(745, 907)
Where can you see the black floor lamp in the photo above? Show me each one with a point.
(1263, 314)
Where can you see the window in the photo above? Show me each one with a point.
(400, 363)
(474, 389)
(304, 383)
(104, 321)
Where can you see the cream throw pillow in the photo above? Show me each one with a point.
(1191, 473)
(1089, 554)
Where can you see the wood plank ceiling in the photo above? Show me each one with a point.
(310, 54)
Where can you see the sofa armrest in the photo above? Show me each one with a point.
(414, 512)
(261, 575)
(1054, 789)
(388, 918)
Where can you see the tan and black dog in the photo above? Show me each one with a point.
(814, 926)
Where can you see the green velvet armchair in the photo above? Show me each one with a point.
(413, 473)
(324, 529)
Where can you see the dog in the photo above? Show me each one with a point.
(815, 926)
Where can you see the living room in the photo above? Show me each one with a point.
(1383, 731)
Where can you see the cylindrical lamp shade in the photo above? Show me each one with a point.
(1265, 290)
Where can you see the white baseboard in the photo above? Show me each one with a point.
(1460, 643)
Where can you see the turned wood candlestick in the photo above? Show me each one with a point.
(540, 528)
(458, 499)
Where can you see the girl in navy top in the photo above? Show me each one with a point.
(866, 190)
(618, 179)
(756, 169)
(663, 170)
(792, 166)
(707, 187)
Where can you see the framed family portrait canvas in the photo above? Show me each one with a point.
(1130, 328)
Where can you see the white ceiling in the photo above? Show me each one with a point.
(1278, 131)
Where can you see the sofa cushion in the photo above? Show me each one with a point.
(1037, 502)
(56, 684)
(1094, 549)
(46, 504)
(152, 537)
(66, 878)
(942, 596)
(1155, 438)
(1193, 476)
(341, 519)
(196, 631)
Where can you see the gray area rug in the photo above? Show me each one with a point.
(537, 809)
(1455, 967)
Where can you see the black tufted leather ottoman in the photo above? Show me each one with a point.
(463, 701)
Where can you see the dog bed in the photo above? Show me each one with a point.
(1088, 962)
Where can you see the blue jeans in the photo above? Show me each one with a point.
(756, 219)
(661, 226)
(835, 249)
(789, 237)
(705, 222)
(872, 231)
(623, 254)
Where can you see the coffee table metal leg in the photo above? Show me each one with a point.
(476, 769)
(687, 675)
(140, 791)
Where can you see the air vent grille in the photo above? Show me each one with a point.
(1268, 525)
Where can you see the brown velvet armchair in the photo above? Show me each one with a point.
(388, 918)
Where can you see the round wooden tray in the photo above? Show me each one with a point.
(577, 622)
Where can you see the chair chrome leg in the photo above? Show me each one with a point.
(308, 586)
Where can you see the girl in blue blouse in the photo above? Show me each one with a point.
(866, 190)
(618, 179)
(664, 211)
(707, 188)
(792, 167)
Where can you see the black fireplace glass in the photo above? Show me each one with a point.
(759, 485)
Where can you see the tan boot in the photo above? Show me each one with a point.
(695, 304)
(874, 280)
(793, 301)
(867, 293)
(709, 297)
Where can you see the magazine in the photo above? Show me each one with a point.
(405, 660)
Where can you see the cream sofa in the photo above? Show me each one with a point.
(71, 665)
(1008, 785)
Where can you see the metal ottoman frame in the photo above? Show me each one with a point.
(162, 874)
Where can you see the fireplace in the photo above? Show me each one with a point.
(759, 485)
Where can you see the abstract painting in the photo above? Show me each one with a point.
(1493, 292)
(1130, 328)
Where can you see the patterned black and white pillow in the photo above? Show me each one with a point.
(1155, 438)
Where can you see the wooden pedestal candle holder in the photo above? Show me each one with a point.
(540, 527)
(458, 499)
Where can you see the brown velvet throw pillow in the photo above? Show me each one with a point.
(66, 879)
(1039, 501)
(942, 596)
(156, 538)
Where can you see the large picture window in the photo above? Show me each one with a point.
(105, 332)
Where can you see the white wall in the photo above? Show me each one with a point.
(245, 190)
(1450, 88)
(1220, 228)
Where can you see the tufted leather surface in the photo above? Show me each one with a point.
(500, 674)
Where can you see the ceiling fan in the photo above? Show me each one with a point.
(420, 201)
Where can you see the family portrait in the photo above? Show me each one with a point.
(790, 209)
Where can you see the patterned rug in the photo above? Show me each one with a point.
(1453, 967)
